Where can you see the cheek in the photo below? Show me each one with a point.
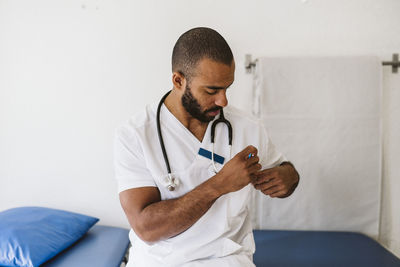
(208, 102)
(204, 100)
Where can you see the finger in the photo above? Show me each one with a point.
(264, 179)
(273, 190)
(253, 180)
(274, 182)
(264, 184)
(254, 168)
(249, 149)
(270, 187)
(250, 155)
(269, 171)
(279, 194)
(252, 160)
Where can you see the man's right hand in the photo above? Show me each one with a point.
(239, 171)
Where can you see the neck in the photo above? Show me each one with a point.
(174, 105)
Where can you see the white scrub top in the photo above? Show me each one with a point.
(223, 235)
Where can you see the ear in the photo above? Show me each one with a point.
(179, 81)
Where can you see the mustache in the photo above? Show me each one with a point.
(213, 109)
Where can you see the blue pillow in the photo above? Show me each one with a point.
(30, 236)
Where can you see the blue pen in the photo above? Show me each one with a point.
(250, 155)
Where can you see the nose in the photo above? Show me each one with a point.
(221, 99)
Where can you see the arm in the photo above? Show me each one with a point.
(154, 220)
(280, 181)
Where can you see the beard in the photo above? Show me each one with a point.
(193, 107)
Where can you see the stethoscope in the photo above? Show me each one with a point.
(173, 182)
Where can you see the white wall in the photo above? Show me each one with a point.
(390, 213)
(71, 71)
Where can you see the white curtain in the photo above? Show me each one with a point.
(324, 114)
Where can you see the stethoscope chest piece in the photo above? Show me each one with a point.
(172, 182)
(171, 188)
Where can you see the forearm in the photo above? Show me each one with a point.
(167, 218)
(154, 219)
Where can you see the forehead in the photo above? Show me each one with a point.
(215, 73)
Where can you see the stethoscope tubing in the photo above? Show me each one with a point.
(171, 181)
(160, 138)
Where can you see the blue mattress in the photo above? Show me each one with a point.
(102, 246)
(318, 248)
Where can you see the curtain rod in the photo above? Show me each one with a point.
(395, 63)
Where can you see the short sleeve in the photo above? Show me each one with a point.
(129, 164)
(269, 157)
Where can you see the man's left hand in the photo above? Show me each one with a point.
(279, 181)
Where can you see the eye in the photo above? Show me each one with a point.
(211, 91)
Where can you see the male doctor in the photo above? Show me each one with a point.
(204, 220)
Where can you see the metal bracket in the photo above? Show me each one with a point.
(395, 63)
(248, 64)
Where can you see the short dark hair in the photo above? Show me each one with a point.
(197, 44)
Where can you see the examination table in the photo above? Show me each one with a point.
(101, 246)
(319, 248)
(105, 246)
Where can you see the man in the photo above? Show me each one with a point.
(203, 220)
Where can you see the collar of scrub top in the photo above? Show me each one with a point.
(173, 182)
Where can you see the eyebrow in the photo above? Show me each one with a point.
(215, 87)
(218, 87)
